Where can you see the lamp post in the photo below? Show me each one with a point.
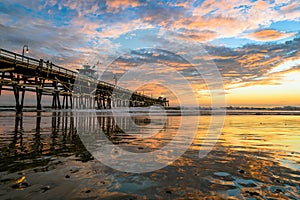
(27, 51)
(115, 80)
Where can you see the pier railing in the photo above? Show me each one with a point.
(32, 62)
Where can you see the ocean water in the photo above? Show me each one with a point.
(53, 155)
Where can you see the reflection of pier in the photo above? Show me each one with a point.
(29, 144)
(68, 89)
(41, 138)
(38, 141)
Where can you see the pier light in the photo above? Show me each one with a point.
(27, 50)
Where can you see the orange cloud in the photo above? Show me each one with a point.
(223, 26)
(115, 5)
(268, 35)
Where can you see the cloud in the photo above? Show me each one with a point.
(70, 33)
(234, 18)
(286, 66)
(69, 46)
(242, 67)
(194, 36)
(290, 7)
(268, 35)
(116, 5)
(122, 28)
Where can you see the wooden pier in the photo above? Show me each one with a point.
(69, 90)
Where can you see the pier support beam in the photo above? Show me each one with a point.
(108, 103)
(39, 92)
(16, 90)
(55, 100)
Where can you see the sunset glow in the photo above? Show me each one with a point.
(254, 44)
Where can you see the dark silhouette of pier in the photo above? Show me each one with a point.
(68, 88)
(36, 138)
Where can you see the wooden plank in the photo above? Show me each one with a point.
(7, 69)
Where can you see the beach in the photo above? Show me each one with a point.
(43, 156)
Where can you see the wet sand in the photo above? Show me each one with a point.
(43, 157)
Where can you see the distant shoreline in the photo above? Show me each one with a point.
(169, 111)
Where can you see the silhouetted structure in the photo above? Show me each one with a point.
(20, 74)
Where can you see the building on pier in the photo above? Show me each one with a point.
(88, 71)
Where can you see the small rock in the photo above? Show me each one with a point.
(74, 171)
(67, 176)
(251, 185)
(278, 190)
(46, 188)
(242, 171)
(252, 193)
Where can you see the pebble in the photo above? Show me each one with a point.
(168, 192)
(252, 193)
(46, 188)
(278, 190)
(74, 171)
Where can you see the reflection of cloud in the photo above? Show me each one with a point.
(268, 35)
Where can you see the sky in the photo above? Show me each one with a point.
(246, 51)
